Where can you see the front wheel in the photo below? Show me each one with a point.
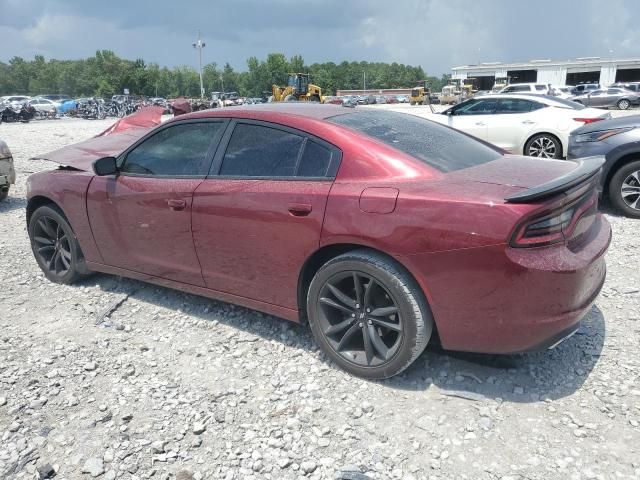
(368, 314)
(543, 146)
(55, 246)
(624, 189)
(4, 194)
(623, 104)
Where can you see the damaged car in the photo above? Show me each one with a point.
(7, 172)
(381, 230)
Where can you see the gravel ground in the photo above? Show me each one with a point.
(172, 385)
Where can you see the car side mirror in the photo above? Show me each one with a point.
(105, 166)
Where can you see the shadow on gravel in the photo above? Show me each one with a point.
(12, 203)
(532, 377)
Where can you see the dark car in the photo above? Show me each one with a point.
(619, 141)
(378, 227)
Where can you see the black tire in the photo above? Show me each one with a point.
(382, 281)
(623, 104)
(290, 98)
(626, 177)
(4, 195)
(314, 98)
(49, 223)
(543, 145)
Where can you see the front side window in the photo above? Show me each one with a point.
(179, 150)
(541, 88)
(477, 107)
(517, 88)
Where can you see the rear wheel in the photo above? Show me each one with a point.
(290, 98)
(623, 104)
(4, 194)
(624, 189)
(55, 245)
(368, 314)
(543, 145)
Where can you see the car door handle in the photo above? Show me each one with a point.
(299, 209)
(528, 122)
(176, 205)
(481, 124)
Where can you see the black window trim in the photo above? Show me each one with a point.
(216, 166)
(211, 151)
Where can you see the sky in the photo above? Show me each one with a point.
(435, 34)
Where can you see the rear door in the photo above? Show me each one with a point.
(258, 216)
(141, 218)
(514, 118)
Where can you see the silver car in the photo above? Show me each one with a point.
(610, 97)
(7, 172)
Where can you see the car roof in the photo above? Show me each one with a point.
(546, 99)
(302, 109)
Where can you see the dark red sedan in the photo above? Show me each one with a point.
(380, 228)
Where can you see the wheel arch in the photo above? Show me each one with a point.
(326, 253)
(38, 201)
(551, 134)
(628, 157)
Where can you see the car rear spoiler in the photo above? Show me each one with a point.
(586, 168)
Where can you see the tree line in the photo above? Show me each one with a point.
(106, 74)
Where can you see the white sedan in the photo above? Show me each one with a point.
(533, 125)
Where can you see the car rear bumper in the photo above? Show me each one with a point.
(499, 299)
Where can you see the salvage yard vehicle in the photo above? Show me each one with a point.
(420, 94)
(528, 88)
(532, 125)
(619, 141)
(611, 97)
(379, 228)
(7, 171)
(299, 88)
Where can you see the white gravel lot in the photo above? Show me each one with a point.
(178, 386)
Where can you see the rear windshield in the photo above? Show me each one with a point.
(438, 146)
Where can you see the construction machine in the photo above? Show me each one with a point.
(420, 94)
(298, 89)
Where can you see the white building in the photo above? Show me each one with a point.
(566, 72)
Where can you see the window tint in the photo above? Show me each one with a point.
(515, 105)
(541, 87)
(315, 161)
(614, 91)
(438, 146)
(517, 88)
(476, 107)
(174, 151)
(257, 151)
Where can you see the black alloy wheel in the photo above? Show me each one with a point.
(368, 314)
(55, 245)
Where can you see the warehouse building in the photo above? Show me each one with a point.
(566, 72)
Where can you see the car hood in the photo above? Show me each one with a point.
(109, 143)
(82, 155)
(515, 171)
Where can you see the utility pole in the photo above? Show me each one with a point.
(364, 82)
(199, 45)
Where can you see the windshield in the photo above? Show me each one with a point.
(438, 146)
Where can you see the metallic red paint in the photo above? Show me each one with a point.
(246, 241)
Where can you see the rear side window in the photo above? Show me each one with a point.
(541, 87)
(257, 151)
(179, 150)
(517, 88)
(438, 146)
(517, 105)
(260, 151)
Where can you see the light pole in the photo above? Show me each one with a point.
(364, 82)
(199, 45)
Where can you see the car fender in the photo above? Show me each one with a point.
(615, 158)
(67, 189)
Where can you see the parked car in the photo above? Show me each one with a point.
(378, 227)
(391, 99)
(329, 99)
(562, 91)
(56, 97)
(619, 141)
(7, 172)
(403, 98)
(528, 88)
(533, 125)
(584, 88)
(611, 97)
(44, 107)
(350, 101)
(14, 100)
(380, 99)
(633, 86)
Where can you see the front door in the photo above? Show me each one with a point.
(473, 117)
(141, 218)
(512, 122)
(259, 217)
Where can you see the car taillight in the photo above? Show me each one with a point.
(554, 225)
(587, 120)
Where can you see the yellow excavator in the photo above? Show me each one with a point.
(420, 94)
(298, 89)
